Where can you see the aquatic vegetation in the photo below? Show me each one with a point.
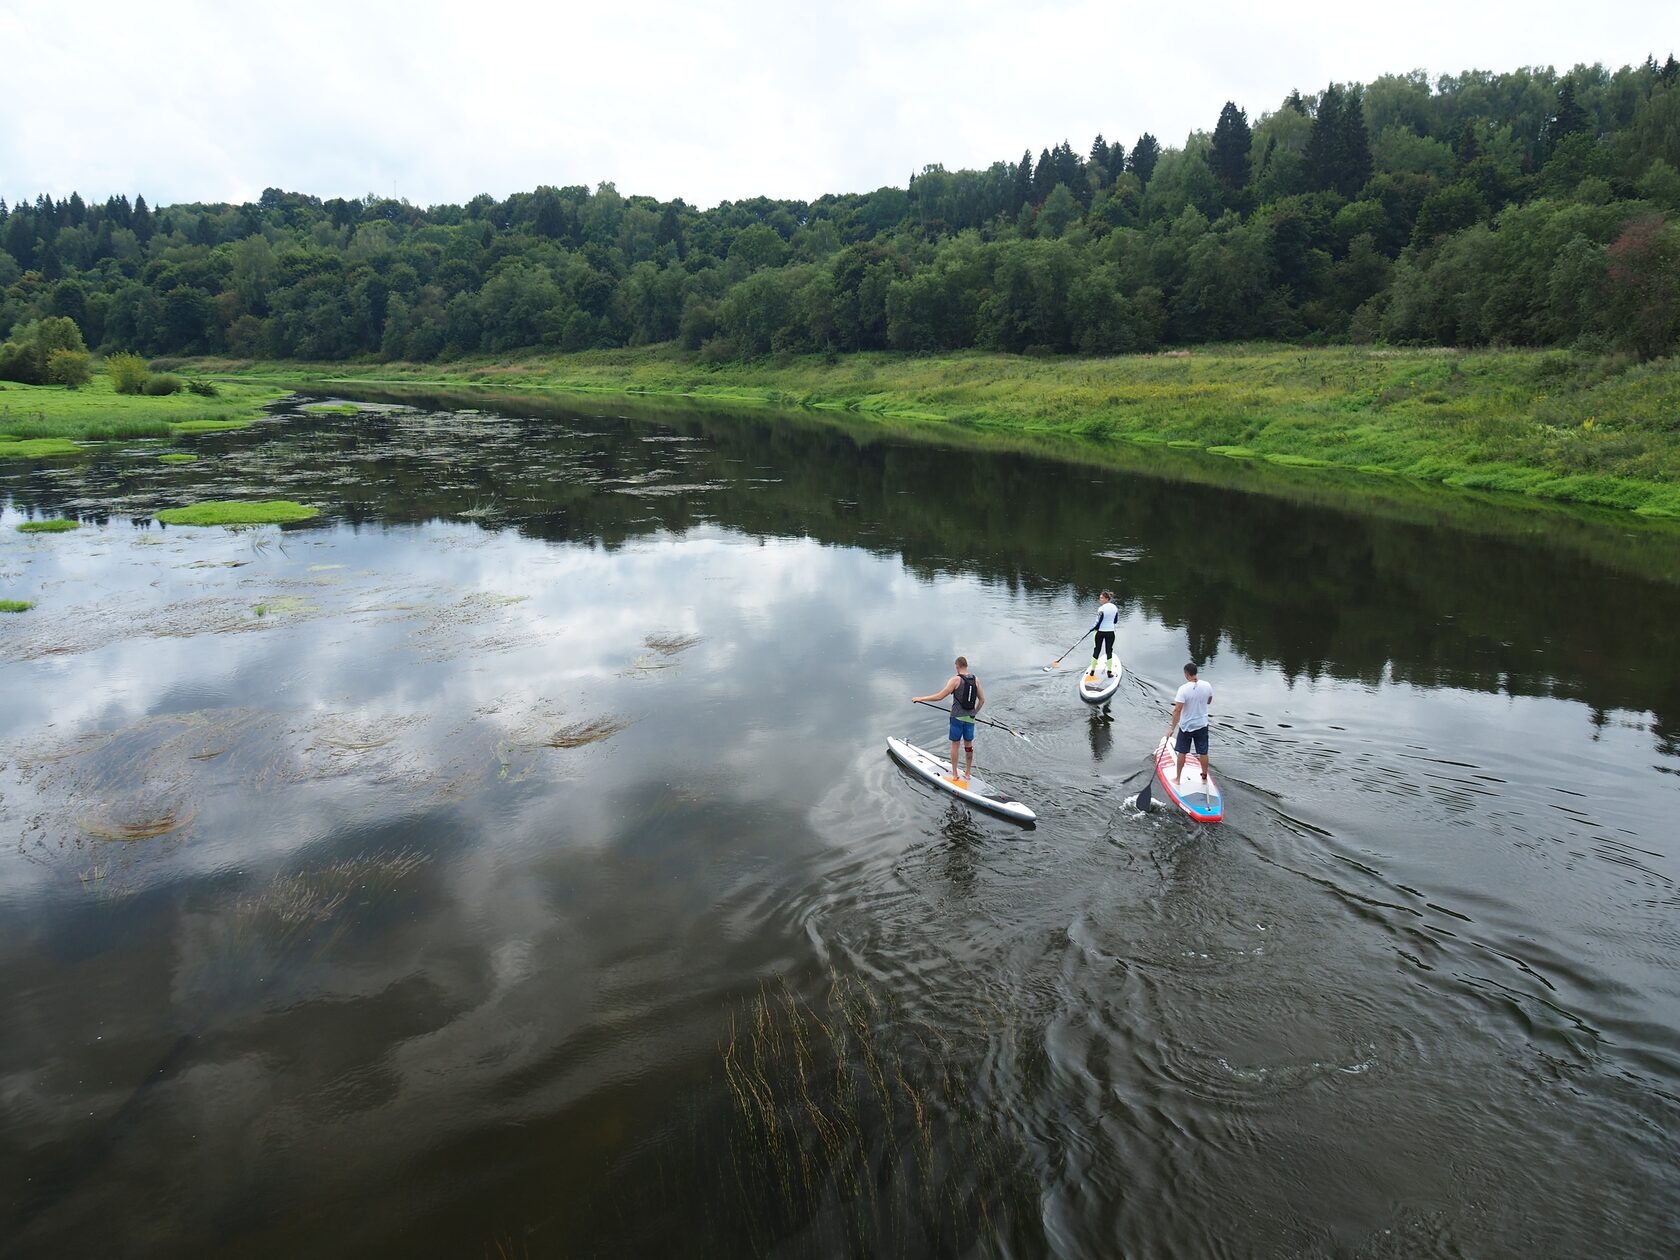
(210, 425)
(233, 512)
(54, 526)
(141, 818)
(36, 448)
(671, 644)
(178, 457)
(16, 605)
(332, 409)
(856, 1125)
(284, 606)
(580, 734)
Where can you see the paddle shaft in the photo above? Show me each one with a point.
(1075, 644)
(977, 718)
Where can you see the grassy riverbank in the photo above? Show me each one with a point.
(48, 419)
(1556, 425)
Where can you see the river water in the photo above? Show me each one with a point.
(508, 862)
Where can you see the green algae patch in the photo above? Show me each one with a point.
(208, 426)
(48, 527)
(231, 512)
(36, 448)
(178, 457)
(16, 605)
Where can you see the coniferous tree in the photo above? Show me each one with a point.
(1293, 101)
(142, 221)
(1021, 184)
(1116, 160)
(1467, 147)
(1145, 153)
(1324, 141)
(1232, 140)
(1044, 175)
(1355, 163)
(1570, 118)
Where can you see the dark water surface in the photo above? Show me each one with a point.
(509, 863)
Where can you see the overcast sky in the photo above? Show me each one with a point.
(187, 100)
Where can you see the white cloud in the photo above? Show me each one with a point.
(433, 102)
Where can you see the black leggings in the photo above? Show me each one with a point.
(1104, 638)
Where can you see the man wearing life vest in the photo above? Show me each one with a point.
(967, 699)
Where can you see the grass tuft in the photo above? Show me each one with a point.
(16, 605)
(232, 512)
(48, 527)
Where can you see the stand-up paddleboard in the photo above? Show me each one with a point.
(976, 791)
(1198, 796)
(1099, 688)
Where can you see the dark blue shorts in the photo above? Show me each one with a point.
(1186, 738)
(962, 730)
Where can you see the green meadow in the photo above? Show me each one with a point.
(1574, 427)
(41, 420)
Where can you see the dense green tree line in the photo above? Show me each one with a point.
(1524, 208)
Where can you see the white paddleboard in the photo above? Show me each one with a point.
(976, 791)
(1099, 688)
(1198, 795)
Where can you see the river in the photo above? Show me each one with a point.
(508, 861)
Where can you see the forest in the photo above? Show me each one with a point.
(1527, 208)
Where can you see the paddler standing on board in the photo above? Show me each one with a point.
(967, 699)
(1190, 716)
(1108, 617)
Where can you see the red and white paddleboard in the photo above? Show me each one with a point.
(1197, 795)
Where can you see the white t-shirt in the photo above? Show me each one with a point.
(1195, 697)
(1108, 616)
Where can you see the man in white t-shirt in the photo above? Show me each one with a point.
(1190, 716)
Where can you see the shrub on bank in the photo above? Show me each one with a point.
(69, 368)
(128, 373)
(162, 383)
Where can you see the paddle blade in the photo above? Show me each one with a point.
(1146, 796)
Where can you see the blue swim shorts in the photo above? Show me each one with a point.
(1186, 738)
(963, 729)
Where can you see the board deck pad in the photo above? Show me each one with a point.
(1199, 795)
(1102, 688)
(975, 790)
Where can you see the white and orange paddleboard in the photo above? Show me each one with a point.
(976, 791)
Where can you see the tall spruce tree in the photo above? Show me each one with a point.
(1320, 155)
(1044, 175)
(1355, 162)
(1232, 140)
(1145, 153)
(1570, 118)
(1021, 184)
(142, 221)
(1116, 160)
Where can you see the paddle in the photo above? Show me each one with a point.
(988, 721)
(1052, 665)
(1145, 797)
